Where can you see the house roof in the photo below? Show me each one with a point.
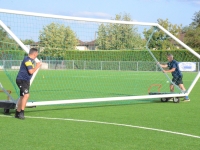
(91, 43)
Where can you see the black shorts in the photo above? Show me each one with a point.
(177, 80)
(23, 86)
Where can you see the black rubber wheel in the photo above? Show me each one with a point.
(176, 99)
(164, 99)
(6, 111)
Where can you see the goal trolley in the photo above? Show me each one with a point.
(89, 60)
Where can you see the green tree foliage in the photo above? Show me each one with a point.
(6, 42)
(56, 38)
(196, 20)
(3, 34)
(192, 33)
(28, 41)
(119, 36)
(160, 40)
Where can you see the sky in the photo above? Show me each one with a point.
(177, 11)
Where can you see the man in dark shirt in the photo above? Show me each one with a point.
(176, 73)
(23, 80)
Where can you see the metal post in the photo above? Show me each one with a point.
(3, 64)
(119, 66)
(84, 64)
(156, 67)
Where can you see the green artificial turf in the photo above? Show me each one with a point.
(42, 133)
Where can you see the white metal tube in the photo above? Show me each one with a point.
(56, 102)
(189, 49)
(75, 18)
(179, 41)
(193, 83)
(20, 44)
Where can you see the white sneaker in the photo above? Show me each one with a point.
(186, 100)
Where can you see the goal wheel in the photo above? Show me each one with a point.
(176, 99)
(164, 99)
(6, 111)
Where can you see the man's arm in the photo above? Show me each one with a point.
(31, 71)
(163, 66)
(169, 71)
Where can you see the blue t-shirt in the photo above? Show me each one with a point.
(26, 65)
(174, 64)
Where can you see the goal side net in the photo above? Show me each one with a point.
(93, 60)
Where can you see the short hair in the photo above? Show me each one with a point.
(33, 50)
(170, 55)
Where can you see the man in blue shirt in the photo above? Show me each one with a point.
(23, 80)
(176, 73)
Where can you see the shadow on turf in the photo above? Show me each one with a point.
(83, 91)
(83, 106)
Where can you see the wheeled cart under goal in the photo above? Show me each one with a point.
(165, 99)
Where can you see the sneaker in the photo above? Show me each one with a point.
(16, 114)
(19, 115)
(187, 99)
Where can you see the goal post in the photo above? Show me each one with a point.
(91, 60)
(20, 44)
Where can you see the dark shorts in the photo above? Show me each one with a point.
(177, 80)
(23, 86)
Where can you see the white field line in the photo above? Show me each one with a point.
(114, 124)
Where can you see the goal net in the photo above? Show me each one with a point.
(92, 60)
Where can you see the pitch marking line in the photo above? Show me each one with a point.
(110, 123)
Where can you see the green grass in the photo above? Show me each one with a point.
(35, 133)
(79, 84)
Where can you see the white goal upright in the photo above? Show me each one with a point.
(92, 60)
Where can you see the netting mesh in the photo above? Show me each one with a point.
(85, 59)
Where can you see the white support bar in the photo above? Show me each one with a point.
(14, 37)
(179, 41)
(20, 44)
(57, 102)
(75, 18)
(189, 49)
(193, 83)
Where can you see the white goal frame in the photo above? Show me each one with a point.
(29, 104)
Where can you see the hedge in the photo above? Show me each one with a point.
(142, 55)
(113, 55)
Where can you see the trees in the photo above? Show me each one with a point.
(192, 32)
(160, 40)
(119, 36)
(58, 36)
(196, 20)
(55, 38)
(28, 41)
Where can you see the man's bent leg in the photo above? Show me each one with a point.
(19, 107)
(24, 101)
(19, 104)
(171, 88)
(182, 87)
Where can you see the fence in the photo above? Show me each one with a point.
(90, 65)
